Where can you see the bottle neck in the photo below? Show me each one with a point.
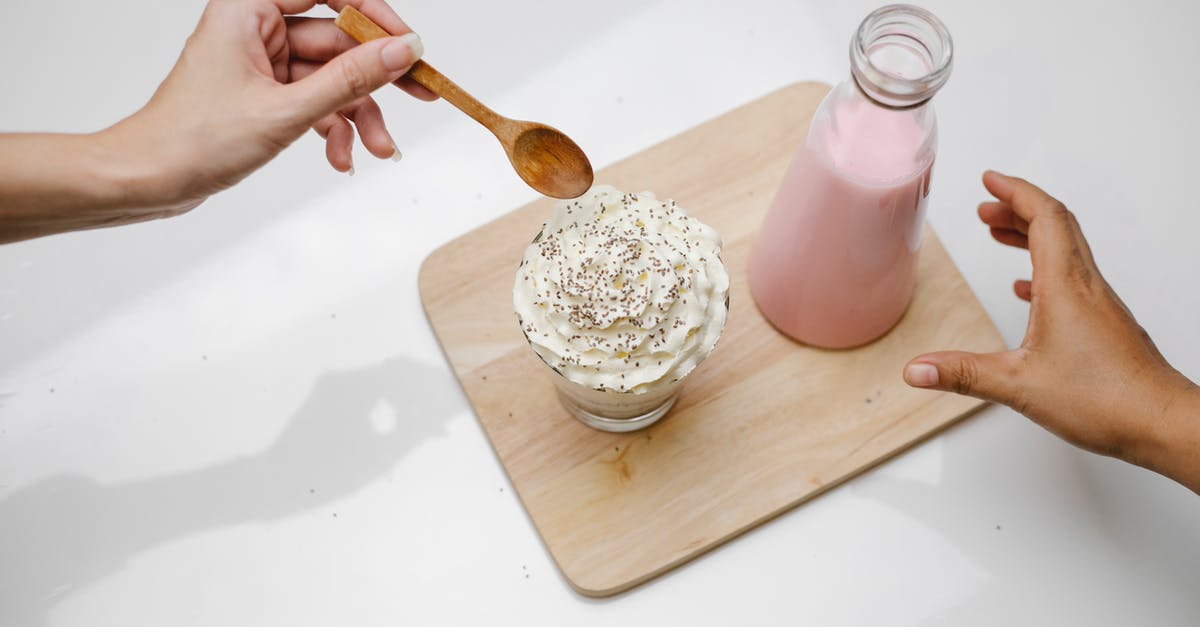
(870, 143)
(901, 56)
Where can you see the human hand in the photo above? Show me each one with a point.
(1086, 370)
(251, 80)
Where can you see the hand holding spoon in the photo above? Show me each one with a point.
(545, 158)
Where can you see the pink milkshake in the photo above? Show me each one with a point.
(834, 264)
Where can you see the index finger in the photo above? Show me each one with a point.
(1026, 199)
(382, 14)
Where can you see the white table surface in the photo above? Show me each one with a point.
(240, 416)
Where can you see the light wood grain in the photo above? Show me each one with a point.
(762, 426)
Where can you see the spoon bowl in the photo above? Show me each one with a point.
(548, 161)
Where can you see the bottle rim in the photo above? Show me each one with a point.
(920, 30)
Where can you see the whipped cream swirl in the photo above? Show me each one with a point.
(622, 292)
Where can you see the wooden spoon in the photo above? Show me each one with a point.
(543, 156)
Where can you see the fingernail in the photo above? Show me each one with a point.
(396, 154)
(402, 52)
(350, 171)
(921, 375)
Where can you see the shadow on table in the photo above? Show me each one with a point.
(64, 533)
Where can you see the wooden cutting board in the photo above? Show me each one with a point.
(763, 425)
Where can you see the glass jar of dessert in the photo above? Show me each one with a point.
(622, 296)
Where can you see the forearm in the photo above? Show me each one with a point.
(53, 183)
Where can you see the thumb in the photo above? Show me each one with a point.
(354, 74)
(989, 376)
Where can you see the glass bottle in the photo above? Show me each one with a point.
(834, 264)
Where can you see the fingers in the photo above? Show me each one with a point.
(339, 137)
(1011, 238)
(352, 75)
(319, 40)
(316, 39)
(1001, 216)
(339, 140)
(989, 376)
(1023, 289)
(364, 113)
(1026, 199)
(415, 89)
(1007, 227)
(294, 6)
(377, 10)
(372, 130)
(1056, 244)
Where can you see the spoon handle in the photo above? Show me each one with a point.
(363, 29)
(436, 82)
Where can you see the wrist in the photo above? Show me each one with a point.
(53, 183)
(1172, 439)
(122, 182)
(157, 162)
(135, 178)
(113, 178)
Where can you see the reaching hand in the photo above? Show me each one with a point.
(250, 81)
(1086, 370)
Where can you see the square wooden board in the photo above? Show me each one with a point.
(763, 425)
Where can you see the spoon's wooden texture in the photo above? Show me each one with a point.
(545, 158)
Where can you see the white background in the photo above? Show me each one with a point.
(240, 416)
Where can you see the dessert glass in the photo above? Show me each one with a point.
(609, 410)
(621, 296)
